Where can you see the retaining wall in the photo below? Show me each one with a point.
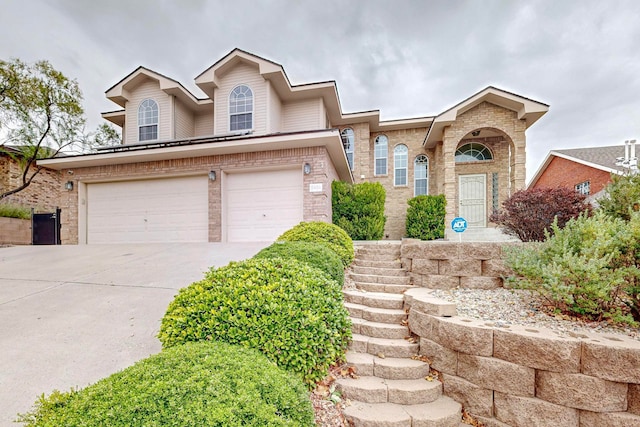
(15, 231)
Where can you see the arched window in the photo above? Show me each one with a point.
(380, 154)
(348, 142)
(148, 120)
(241, 108)
(473, 152)
(400, 154)
(421, 175)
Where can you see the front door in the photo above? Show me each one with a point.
(472, 196)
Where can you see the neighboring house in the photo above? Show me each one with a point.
(257, 155)
(586, 170)
(43, 194)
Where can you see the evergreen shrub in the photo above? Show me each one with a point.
(359, 209)
(425, 217)
(334, 237)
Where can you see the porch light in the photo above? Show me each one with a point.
(68, 185)
(307, 169)
(212, 175)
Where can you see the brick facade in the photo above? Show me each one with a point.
(566, 173)
(43, 194)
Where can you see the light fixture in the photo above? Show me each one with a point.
(307, 169)
(68, 185)
(212, 175)
(475, 133)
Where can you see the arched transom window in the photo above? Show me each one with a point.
(381, 153)
(473, 152)
(421, 175)
(348, 142)
(148, 120)
(400, 155)
(241, 108)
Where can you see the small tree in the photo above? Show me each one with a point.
(40, 116)
(529, 213)
(425, 217)
(622, 196)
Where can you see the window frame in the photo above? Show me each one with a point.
(148, 122)
(415, 174)
(581, 186)
(377, 143)
(398, 156)
(483, 151)
(234, 105)
(349, 147)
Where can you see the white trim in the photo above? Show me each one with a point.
(229, 114)
(386, 157)
(406, 168)
(414, 174)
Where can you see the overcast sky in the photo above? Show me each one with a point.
(405, 58)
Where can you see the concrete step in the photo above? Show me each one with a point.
(395, 264)
(379, 390)
(378, 271)
(374, 314)
(443, 412)
(377, 329)
(383, 347)
(381, 287)
(387, 280)
(388, 368)
(378, 254)
(374, 299)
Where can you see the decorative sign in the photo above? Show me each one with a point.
(459, 224)
(315, 188)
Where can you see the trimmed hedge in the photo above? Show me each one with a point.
(425, 217)
(289, 311)
(359, 209)
(197, 384)
(315, 254)
(330, 235)
(9, 210)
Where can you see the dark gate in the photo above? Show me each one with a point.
(45, 228)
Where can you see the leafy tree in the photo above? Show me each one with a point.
(528, 214)
(40, 116)
(622, 196)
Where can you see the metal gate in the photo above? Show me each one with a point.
(45, 228)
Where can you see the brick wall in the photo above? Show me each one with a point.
(42, 194)
(566, 173)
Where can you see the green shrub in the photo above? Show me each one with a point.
(9, 210)
(622, 196)
(197, 384)
(425, 217)
(589, 268)
(359, 209)
(330, 235)
(289, 311)
(315, 254)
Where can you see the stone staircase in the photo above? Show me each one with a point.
(391, 389)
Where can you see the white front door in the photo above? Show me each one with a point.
(472, 196)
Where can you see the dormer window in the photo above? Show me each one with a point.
(241, 108)
(148, 120)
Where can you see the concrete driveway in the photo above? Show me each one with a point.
(71, 315)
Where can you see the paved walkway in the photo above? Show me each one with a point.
(71, 315)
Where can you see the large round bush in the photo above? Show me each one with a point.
(321, 232)
(289, 311)
(315, 254)
(197, 384)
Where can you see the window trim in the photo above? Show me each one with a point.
(579, 187)
(250, 113)
(396, 169)
(385, 158)
(142, 120)
(473, 146)
(415, 175)
(351, 150)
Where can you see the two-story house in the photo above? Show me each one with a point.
(257, 155)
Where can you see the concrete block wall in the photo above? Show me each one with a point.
(524, 376)
(440, 264)
(14, 231)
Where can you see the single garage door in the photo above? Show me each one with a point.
(261, 205)
(147, 211)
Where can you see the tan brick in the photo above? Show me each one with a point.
(441, 358)
(613, 358)
(537, 348)
(482, 251)
(460, 267)
(421, 300)
(491, 422)
(424, 266)
(496, 374)
(420, 323)
(608, 419)
(521, 411)
(440, 282)
(476, 400)
(480, 282)
(495, 268)
(464, 335)
(633, 399)
(581, 391)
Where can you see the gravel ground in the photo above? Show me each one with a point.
(518, 307)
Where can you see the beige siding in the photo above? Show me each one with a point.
(185, 123)
(204, 124)
(248, 75)
(302, 115)
(275, 111)
(149, 89)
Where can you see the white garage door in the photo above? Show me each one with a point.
(154, 210)
(261, 205)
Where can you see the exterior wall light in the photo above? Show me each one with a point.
(307, 169)
(212, 175)
(68, 185)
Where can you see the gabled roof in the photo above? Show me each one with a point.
(527, 109)
(601, 158)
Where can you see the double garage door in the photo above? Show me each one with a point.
(256, 206)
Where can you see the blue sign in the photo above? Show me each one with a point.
(459, 224)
